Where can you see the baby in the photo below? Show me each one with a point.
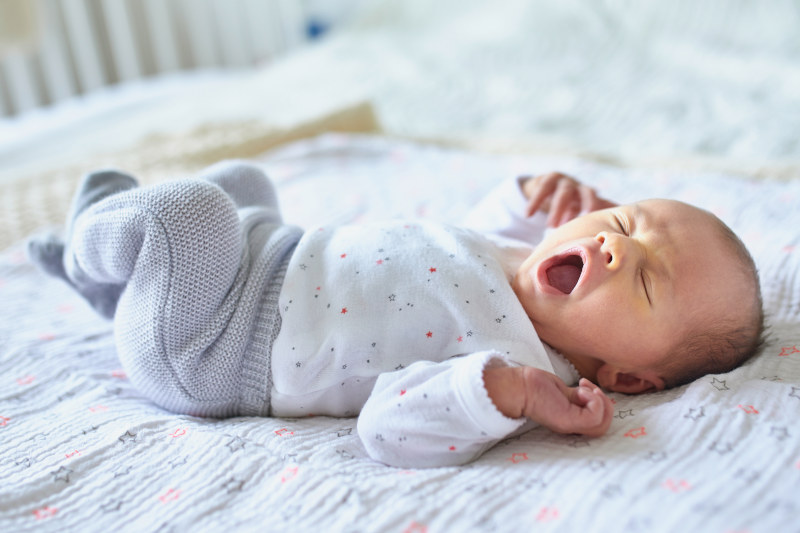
(442, 341)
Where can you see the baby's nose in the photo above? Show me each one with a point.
(611, 248)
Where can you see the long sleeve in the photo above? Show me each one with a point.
(434, 414)
(501, 214)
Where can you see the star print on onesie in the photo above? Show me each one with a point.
(423, 304)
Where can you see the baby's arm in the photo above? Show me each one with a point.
(449, 413)
(544, 398)
(434, 414)
(508, 210)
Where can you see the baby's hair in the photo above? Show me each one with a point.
(726, 343)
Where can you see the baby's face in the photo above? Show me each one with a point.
(616, 290)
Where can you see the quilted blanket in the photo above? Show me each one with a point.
(81, 450)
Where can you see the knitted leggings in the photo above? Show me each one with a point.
(203, 261)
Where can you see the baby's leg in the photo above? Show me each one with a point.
(48, 252)
(195, 323)
(177, 248)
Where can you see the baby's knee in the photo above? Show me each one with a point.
(246, 183)
(231, 171)
(193, 200)
(184, 216)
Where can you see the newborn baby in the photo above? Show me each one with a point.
(442, 340)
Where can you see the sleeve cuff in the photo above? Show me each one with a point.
(471, 391)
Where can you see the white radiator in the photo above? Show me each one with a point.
(55, 49)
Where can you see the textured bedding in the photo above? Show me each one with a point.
(690, 83)
(83, 451)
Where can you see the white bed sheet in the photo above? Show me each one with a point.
(82, 451)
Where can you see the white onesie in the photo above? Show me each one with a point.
(397, 320)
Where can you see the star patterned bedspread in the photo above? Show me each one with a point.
(83, 451)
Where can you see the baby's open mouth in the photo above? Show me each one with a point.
(565, 273)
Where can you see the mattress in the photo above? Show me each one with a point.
(82, 450)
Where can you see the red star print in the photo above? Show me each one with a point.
(27, 380)
(170, 496)
(452, 448)
(403, 391)
(4, 420)
(518, 457)
(429, 334)
(289, 474)
(460, 338)
(343, 256)
(416, 527)
(547, 514)
(45, 512)
(788, 350)
(319, 288)
(180, 432)
(636, 433)
(379, 262)
(344, 310)
(432, 270)
(283, 432)
(677, 486)
(749, 409)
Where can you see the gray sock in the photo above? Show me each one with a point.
(47, 251)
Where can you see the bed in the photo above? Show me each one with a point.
(443, 117)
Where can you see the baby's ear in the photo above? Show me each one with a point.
(614, 379)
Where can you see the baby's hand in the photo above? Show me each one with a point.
(584, 409)
(562, 196)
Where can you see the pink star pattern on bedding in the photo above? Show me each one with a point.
(741, 468)
(788, 350)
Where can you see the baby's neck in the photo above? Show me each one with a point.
(586, 367)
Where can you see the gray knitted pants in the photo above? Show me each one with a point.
(202, 261)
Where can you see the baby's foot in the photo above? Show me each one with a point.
(48, 251)
(95, 187)
(245, 183)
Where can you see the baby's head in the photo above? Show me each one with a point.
(644, 296)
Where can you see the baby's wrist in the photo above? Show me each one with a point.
(505, 387)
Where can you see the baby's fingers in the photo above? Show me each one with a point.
(589, 200)
(564, 198)
(571, 212)
(597, 409)
(538, 189)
